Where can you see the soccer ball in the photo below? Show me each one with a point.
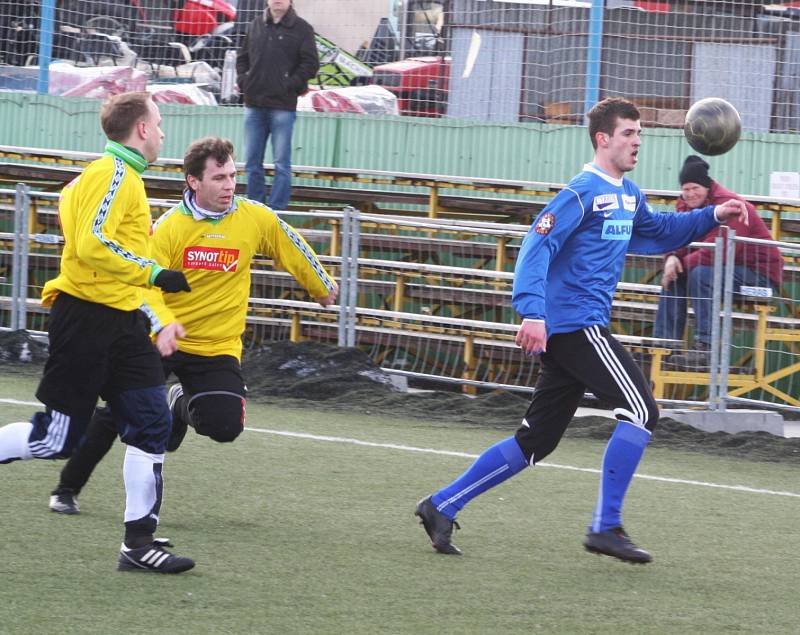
(712, 126)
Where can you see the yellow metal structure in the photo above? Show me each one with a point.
(739, 384)
(437, 196)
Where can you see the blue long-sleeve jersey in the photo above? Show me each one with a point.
(572, 258)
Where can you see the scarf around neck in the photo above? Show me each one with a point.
(198, 213)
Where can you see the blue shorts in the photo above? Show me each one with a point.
(98, 351)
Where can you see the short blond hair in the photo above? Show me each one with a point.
(122, 112)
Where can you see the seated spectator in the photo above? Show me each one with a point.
(689, 274)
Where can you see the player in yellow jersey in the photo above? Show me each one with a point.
(99, 340)
(212, 236)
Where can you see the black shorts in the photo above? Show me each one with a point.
(214, 394)
(98, 351)
(592, 359)
(199, 374)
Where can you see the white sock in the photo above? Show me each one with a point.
(14, 441)
(141, 485)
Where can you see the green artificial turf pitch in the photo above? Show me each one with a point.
(312, 532)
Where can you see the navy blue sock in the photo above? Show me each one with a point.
(623, 453)
(495, 465)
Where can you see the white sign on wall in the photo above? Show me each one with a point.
(784, 184)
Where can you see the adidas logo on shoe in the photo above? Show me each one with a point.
(153, 557)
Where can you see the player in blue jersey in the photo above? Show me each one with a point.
(565, 278)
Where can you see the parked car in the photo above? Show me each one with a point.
(420, 83)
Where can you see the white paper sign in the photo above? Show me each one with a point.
(784, 184)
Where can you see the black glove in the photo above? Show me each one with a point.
(170, 281)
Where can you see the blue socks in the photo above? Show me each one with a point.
(500, 462)
(505, 459)
(623, 453)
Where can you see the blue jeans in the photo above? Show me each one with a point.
(699, 287)
(259, 124)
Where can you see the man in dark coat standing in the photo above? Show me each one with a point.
(277, 58)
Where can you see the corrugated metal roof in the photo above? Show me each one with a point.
(529, 151)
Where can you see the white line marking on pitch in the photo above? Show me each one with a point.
(466, 455)
(16, 402)
(409, 448)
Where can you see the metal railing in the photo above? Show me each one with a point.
(430, 298)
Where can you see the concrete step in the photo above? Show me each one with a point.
(734, 421)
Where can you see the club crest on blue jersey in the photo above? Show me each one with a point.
(605, 203)
(617, 229)
(545, 224)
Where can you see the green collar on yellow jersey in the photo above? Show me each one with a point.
(132, 157)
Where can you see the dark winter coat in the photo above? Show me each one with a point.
(276, 61)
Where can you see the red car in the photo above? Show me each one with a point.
(420, 83)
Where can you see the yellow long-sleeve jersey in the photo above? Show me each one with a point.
(106, 223)
(215, 256)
